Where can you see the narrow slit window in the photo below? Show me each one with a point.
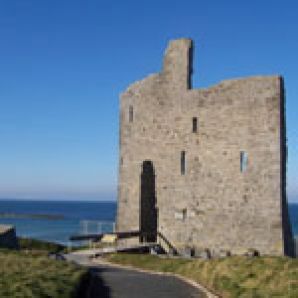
(243, 161)
(130, 116)
(182, 161)
(194, 124)
(184, 214)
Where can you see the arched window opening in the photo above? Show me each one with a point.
(148, 210)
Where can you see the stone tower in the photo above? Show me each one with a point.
(206, 168)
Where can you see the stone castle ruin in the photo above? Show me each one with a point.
(206, 168)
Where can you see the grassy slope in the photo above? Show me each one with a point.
(30, 273)
(33, 244)
(229, 277)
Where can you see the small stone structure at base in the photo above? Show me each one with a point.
(8, 238)
(206, 168)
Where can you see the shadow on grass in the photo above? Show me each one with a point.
(92, 286)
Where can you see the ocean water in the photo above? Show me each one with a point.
(56, 221)
(293, 213)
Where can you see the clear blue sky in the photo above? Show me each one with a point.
(64, 63)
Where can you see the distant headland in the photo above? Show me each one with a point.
(31, 216)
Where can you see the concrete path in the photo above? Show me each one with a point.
(114, 282)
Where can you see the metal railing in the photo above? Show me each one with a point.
(95, 226)
(160, 238)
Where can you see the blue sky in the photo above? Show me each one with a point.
(64, 63)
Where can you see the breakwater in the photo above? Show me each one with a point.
(31, 216)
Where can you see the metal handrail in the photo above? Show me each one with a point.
(128, 234)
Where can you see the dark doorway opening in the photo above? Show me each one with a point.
(148, 211)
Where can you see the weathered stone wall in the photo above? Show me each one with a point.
(214, 204)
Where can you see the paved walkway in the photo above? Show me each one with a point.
(114, 282)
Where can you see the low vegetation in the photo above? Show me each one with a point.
(46, 247)
(29, 272)
(38, 245)
(228, 277)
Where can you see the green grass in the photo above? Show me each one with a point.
(46, 247)
(30, 273)
(229, 277)
(33, 244)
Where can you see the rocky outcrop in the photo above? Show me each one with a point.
(8, 238)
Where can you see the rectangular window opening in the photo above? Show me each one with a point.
(184, 213)
(182, 161)
(130, 113)
(243, 161)
(194, 124)
(180, 214)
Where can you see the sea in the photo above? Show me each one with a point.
(56, 221)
